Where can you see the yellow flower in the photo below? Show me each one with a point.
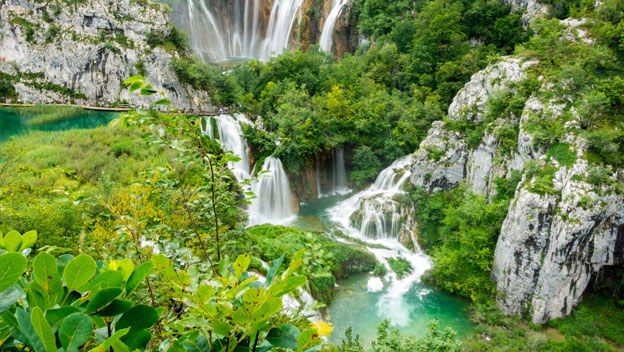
(324, 329)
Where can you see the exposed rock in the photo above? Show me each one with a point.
(470, 102)
(551, 245)
(531, 9)
(445, 158)
(85, 51)
(560, 229)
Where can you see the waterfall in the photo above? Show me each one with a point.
(327, 35)
(273, 203)
(222, 31)
(339, 173)
(375, 216)
(230, 135)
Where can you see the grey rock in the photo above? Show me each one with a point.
(77, 59)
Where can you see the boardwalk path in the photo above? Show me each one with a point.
(97, 108)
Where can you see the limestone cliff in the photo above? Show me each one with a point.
(84, 51)
(566, 220)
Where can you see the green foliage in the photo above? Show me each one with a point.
(239, 311)
(563, 153)
(391, 340)
(460, 232)
(325, 260)
(7, 90)
(62, 302)
(173, 39)
(366, 166)
(400, 266)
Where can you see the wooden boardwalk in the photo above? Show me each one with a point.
(119, 109)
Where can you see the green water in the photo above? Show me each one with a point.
(353, 306)
(12, 124)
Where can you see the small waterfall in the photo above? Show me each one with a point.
(222, 31)
(327, 35)
(319, 190)
(273, 203)
(375, 216)
(230, 135)
(339, 173)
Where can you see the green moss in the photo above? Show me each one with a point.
(400, 266)
(563, 153)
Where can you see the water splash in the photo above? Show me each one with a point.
(230, 134)
(225, 31)
(375, 216)
(273, 203)
(327, 35)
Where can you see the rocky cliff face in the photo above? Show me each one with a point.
(83, 52)
(566, 220)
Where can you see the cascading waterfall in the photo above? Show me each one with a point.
(230, 135)
(221, 32)
(273, 203)
(327, 36)
(339, 173)
(375, 216)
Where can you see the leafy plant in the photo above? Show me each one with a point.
(233, 311)
(68, 303)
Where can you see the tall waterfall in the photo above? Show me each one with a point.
(375, 216)
(274, 202)
(230, 135)
(221, 31)
(339, 173)
(327, 36)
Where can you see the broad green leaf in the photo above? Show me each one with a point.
(275, 265)
(46, 274)
(37, 296)
(241, 264)
(75, 331)
(271, 306)
(106, 279)
(79, 271)
(43, 330)
(135, 86)
(117, 307)
(282, 338)
(162, 102)
(139, 317)
(56, 316)
(287, 285)
(110, 341)
(102, 298)
(138, 275)
(28, 239)
(222, 328)
(125, 266)
(12, 266)
(137, 339)
(28, 331)
(305, 338)
(119, 346)
(8, 298)
(12, 241)
(164, 267)
(134, 79)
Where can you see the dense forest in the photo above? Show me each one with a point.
(132, 231)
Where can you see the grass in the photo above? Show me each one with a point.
(43, 114)
(595, 325)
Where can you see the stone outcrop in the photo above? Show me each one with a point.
(84, 52)
(563, 226)
(445, 158)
